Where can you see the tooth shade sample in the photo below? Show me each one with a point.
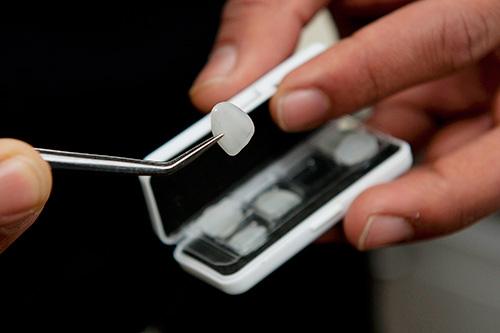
(355, 148)
(235, 124)
(276, 202)
(249, 239)
(221, 220)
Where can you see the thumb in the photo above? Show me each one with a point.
(254, 36)
(25, 184)
(436, 199)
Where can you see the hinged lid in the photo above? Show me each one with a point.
(171, 223)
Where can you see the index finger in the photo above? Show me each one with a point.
(422, 41)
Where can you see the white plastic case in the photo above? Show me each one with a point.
(237, 230)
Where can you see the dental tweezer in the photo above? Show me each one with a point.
(103, 163)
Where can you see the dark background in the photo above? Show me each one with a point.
(115, 81)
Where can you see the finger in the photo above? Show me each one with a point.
(447, 195)
(403, 120)
(458, 134)
(25, 183)
(496, 106)
(412, 125)
(414, 114)
(351, 15)
(254, 37)
(392, 54)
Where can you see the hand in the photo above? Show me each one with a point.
(25, 183)
(432, 70)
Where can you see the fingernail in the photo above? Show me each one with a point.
(21, 189)
(382, 230)
(302, 109)
(219, 66)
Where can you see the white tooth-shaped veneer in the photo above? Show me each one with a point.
(235, 124)
(356, 148)
(222, 219)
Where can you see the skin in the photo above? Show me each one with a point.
(430, 68)
(25, 184)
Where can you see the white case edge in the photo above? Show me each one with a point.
(302, 235)
(297, 238)
(248, 99)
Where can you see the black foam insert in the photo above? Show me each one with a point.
(332, 184)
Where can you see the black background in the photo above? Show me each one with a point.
(115, 81)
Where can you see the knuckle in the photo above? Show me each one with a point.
(374, 86)
(463, 37)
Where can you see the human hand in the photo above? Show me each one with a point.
(430, 67)
(25, 183)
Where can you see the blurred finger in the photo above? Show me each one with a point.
(25, 183)
(447, 195)
(387, 56)
(254, 37)
(415, 114)
(404, 121)
(458, 134)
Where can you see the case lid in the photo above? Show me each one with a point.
(171, 230)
